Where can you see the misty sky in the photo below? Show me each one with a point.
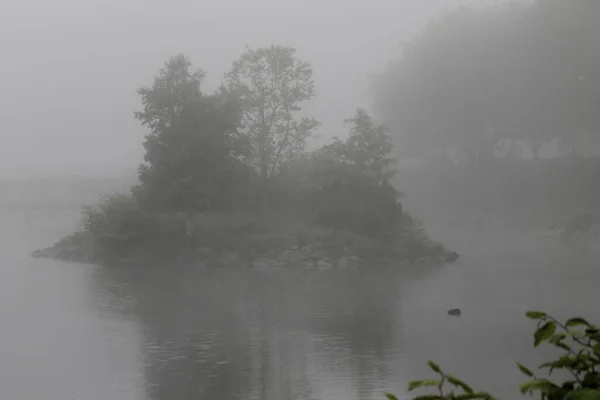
(70, 67)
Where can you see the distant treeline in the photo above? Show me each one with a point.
(508, 192)
(497, 81)
(502, 103)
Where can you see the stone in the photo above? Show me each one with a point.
(324, 265)
(292, 256)
(229, 258)
(452, 256)
(265, 264)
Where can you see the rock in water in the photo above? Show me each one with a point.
(452, 256)
(454, 312)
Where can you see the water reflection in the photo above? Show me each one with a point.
(185, 333)
(241, 334)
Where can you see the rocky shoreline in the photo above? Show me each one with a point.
(306, 257)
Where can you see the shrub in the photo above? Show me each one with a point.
(579, 342)
(120, 227)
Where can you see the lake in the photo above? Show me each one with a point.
(72, 331)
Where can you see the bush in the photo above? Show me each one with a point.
(120, 227)
(580, 358)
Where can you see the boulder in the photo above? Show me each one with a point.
(451, 256)
(324, 264)
(292, 256)
(265, 264)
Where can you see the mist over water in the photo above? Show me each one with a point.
(492, 114)
(96, 333)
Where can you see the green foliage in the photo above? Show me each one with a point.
(120, 227)
(193, 148)
(442, 393)
(580, 358)
(350, 181)
(213, 159)
(368, 147)
(271, 83)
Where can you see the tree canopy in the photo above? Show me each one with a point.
(271, 84)
(193, 150)
(478, 77)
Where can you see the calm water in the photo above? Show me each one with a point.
(71, 331)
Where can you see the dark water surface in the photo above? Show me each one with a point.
(72, 331)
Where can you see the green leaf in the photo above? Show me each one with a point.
(576, 321)
(423, 383)
(535, 314)
(584, 394)
(597, 349)
(538, 384)
(436, 368)
(544, 333)
(569, 385)
(429, 397)
(457, 382)
(526, 387)
(524, 370)
(390, 396)
(595, 337)
(591, 331)
(556, 393)
(471, 396)
(557, 337)
(562, 346)
(591, 380)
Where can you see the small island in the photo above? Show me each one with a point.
(227, 181)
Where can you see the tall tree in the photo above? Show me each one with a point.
(175, 84)
(193, 150)
(272, 83)
(350, 178)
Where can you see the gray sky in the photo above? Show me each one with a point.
(70, 67)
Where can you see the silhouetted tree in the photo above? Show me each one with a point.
(193, 151)
(478, 76)
(272, 83)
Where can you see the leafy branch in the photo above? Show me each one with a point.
(581, 358)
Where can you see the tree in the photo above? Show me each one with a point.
(482, 75)
(193, 151)
(368, 146)
(351, 181)
(174, 85)
(272, 84)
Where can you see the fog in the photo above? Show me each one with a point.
(447, 185)
(71, 68)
